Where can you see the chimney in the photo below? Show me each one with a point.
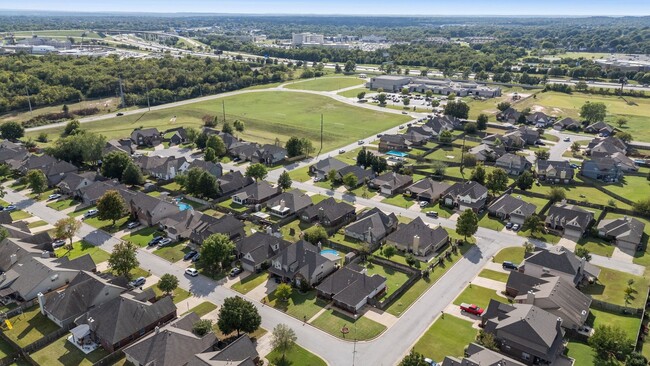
(559, 322)
(157, 329)
(530, 297)
(369, 235)
(582, 264)
(321, 213)
(41, 302)
(45, 254)
(416, 244)
(282, 205)
(13, 258)
(269, 230)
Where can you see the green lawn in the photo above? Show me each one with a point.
(447, 153)
(300, 175)
(582, 353)
(447, 336)
(43, 196)
(443, 211)
(64, 353)
(5, 349)
(81, 210)
(632, 187)
(611, 284)
(397, 258)
(539, 202)
(512, 254)
(581, 194)
(545, 237)
(107, 225)
(173, 253)
(360, 329)
(494, 275)
(233, 206)
(134, 273)
(20, 215)
(202, 308)
(62, 204)
(353, 92)
(596, 246)
(326, 84)
(143, 236)
(400, 201)
(29, 327)
(630, 324)
(394, 279)
(83, 247)
(296, 356)
(300, 305)
(173, 186)
(276, 115)
(250, 282)
(480, 296)
(292, 230)
(491, 223)
(36, 224)
(178, 294)
(341, 238)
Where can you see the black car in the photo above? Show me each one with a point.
(189, 255)
(155, 241)
(119, 114)
(509, 265)
(509, 225)
(196, 257)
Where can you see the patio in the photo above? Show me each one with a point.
(80, 337)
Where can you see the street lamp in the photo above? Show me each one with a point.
(354, 350)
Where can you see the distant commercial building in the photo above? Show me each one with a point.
(393, 83)
(38, 41)
(300, 39)
(625, 63)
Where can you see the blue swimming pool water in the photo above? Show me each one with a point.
(329, 251)
(397, 153)
(184, 206)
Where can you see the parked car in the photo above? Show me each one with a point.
(361, 142)
(119, 114)
(55, 196)
(509, 265)
(138, 282)
(423, 203)
(10, 208)
(154, 241)
(567, 139)
(515, 227)
(91, 213)
(471, 309)
(574, 166)
(433, 214)
(235, 271)
(509, 225)
(341, 151)
(189, 255)
(540, 143)
(405, 112)
(401, 127)
(380, 134)
(191, 272)
(196, 257)
(58, 243)
(430, 362)
(132, 225)
(164, 242)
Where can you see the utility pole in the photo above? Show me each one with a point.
(148, 103)
(462, 158)
(223, 107)
(321, 136)
(29, 101)
(122, 94)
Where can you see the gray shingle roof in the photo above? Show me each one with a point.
(477, 355)
(571, 216)
(428, 236)
(379, 223)
(392, 180)
(260, 246)
(350, 286)
(241, 352)
(561, 260)
(294, 199)
(258, 191)
(328, 164)
(429, 188)
(507, 204)
(306, 256)
(625, 228)
(332, 210)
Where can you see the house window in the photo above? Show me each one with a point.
(525, 356)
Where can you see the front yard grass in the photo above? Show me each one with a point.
(62, 204)
(300, 175)
(178, 294)
(596, 246)
(400, 200)
(443, 211)
(611, 284)
(142, 237)
(394, 279)
(360, 329)
(447, 336)
(233, 206)
(202, 308)
(81, 210)
(494, 275)
(296, 355)
(83, 247)
(545, 237)
(20, 215)
(250, 282)
(479, 295)
(29, 327)
(36, 224)
(512, 254)
(491, 223)
(173, 253)
(301, 305)
(107, 225)
(64, 353)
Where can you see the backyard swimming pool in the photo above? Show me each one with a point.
(329, 251)
(184, 206)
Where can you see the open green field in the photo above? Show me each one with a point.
(582, 194)
(295, 356)
(326, 84)
(105, 105)
(635, 110)
(352, 93)
(360, 329)
(448, 336)
(266, 115)
(632, 187)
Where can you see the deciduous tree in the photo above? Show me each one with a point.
(215, 252)
(350, 180)
(132, 175)
(111, 206)
(556, 194)
(593, 111)
(482, 122)
(237, 314)
(114, 163)
(256, 171)
(525, 181)
(12, 130)
(123, 258)
(66, 228)
(413, 359)
(478, 175)
(284, 338)
(285, 181)
(457, 109)
(467, 224)
(283, 291)
(168, 283)
(216, 143)
(36, 181)
(610, 342)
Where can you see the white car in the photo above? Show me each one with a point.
(132, 225)
(58, 243)
(423, 203)
(191, 272)
(164, 242)
(55, 196)
(91, 213)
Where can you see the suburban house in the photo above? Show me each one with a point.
(525, 332)
(215, 169)
(510, 115)
(163, 168)
(372, 226)
(600, 128)
(350, 287)
(73, 182)
(553, 294)
(227, 225)
(171, 345)
(233, 182)
(12, 153)
(323, 167)
(241, 352)
(149, 210)
(146, 137)
(529, 135)
(94, 191)
(418, 238)
(300, 262)
(256, 250)
(329, 212)
(477, 355)
(256, 193)
(567, 124)
(391, 183)
(396, 142)
(602, 147)
(120, 321)
(85, 291)
(120, 145)
(508, 142)
(554, 171)
(468, 195)
(624, 162)
(560, 262)
(176, 136)
(513, 164)
(509, 208)
(288, 203)
(181, 225)
(269, 155)
(568, 220)
(54, 170)
(485, 152)
(243, 150)
(625, 232)
(426, 190)
(417, 135)
(438, 124)
(603, 169)
(362, 175)
(540, 119)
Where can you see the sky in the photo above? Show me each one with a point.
(347, 7)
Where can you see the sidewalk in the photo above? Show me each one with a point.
(497, 286)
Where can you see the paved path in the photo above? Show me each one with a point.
(497, 286)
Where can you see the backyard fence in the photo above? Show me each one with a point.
(47, 339)
(111, 359)
(613, 308)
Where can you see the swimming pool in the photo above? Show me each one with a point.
(329, 251)
(184, 206)
(397, 153)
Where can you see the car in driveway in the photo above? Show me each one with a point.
(235, 271)
(58, 243)
(423, 203)
(471, 309)
(509, 265)
(132, 225)
(154, 241)
(10, 208)
(196, 257)
(138, 282)
(515, 227)
(54, 196)
(189, 255)
(164, 242)
(191, 272)
(509, 225)
(91, 213)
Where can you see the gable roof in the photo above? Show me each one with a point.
(233, 181)
(241, 352)
(428, 236)
(332, 210)
(258, 191)
(294, 199)
(507, 204)
(472, 189)
(477, 355)
(561, 260)
(513, 161)
(350, 285)
(484, 151)
(305, 255)
(260, 246)
(375, 221)
(392, 180)
(361, 174)
(328, 164)
(428, 188)
(227, 225)
(572, 216)
(556, 165)
(625, 228)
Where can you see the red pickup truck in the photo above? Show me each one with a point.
(471, 308)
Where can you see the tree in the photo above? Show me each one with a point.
(315, 234)
(411, 260)
(438, 168)
(428, 93)
(525, 181)
(168, 283)
(192, 133)
(294, 147)
(482, 122)
(209, 120)
(497, 181)
(556, 194)
(307, 146)
(202, 327)
(67, 228)
(381, 98)
(406, 101)
(132, 175)
(72, 128)
(362, 157)
(3, 233)
(111, 206)
(533, 223)
(503, 106)
(283, 291)
(361, 95)
(239, 125)
(575, 147)
(215, 252)
(337, 69)
(256, 171)
(389, 251)
(470, 128)
(621, 122)
(457, 109)
(114, 163)
(378, 164)
(80, 148)
(581, 85)
(123, 258)
(285, 181)
(487, 340)
(636, 359)
(237, 314)
(36, 181)
(42, 137)
(413, 359)
(12, 130)
(65, 110)
(201, 140)
(610, 342)
(331, 176)
(581, 252)
(283, 339)
(405, 91)
(542, 154)
(350, 180)
(593, 112)
(445, 137)
(227, 128)
(209, 154)
(467, 223)
(216, 143)
(350, 66)
(624, 136)
(478, 175)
